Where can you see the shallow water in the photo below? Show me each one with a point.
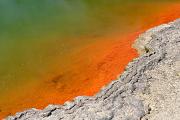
(52, 51)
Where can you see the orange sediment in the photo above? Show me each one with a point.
(92, 67)
(105, 60)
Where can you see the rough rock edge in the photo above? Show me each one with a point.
(121, 99)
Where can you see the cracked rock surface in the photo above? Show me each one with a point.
(149, 88)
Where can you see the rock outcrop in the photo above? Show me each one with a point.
(148, 89)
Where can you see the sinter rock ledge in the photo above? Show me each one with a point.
(148, 89)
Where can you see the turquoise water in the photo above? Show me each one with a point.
(34, 32)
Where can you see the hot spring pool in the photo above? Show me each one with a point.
(54, 50)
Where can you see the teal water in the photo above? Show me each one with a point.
(29, 27)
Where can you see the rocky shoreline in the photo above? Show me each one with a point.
(148, 89)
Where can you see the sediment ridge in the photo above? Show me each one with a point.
(148, 89)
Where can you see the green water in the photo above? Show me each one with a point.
(34, 32)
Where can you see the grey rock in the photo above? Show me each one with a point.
(148, 89)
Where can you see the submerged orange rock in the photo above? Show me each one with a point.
(106, 60)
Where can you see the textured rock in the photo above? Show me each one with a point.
(149, 88)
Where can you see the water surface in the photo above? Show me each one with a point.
(54, 50)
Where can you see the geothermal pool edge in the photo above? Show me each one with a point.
(149, 88)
